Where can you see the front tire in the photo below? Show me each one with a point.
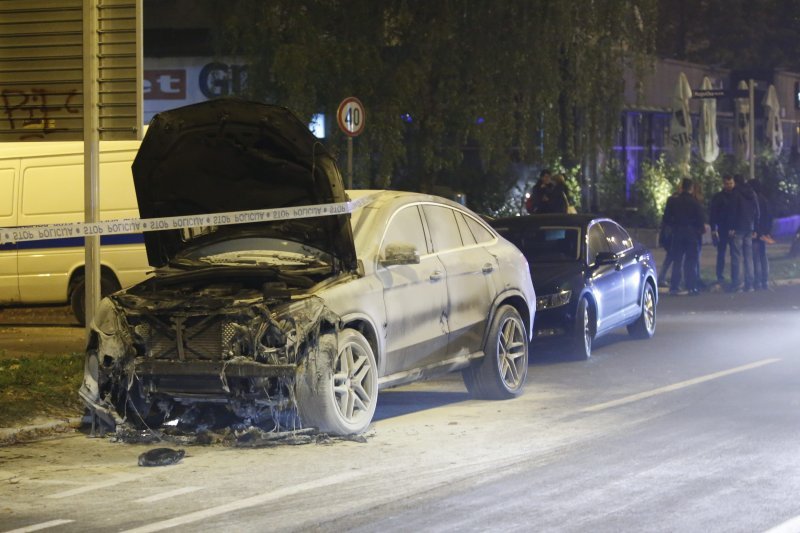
(501, 373)
(645, 325)
(337, 389)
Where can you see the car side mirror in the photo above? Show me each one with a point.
(400, 253)
(605, 258)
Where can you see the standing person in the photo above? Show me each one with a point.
(561, 201)
(545, 197)
(539, 192)
(744, 224)
(684, 215)
(721, 214)
(763, 234)
(665, 241)
(699, 283)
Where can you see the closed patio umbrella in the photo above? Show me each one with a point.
(742, 128)
(680, 125)
(773, 129)
(708, 141)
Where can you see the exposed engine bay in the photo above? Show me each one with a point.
(181, 340)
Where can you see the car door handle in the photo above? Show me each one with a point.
(617, 266)
(436, 275)
(487, 268)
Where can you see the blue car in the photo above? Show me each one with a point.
(590, 278)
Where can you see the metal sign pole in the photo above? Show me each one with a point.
(91, 156)
(349, 162)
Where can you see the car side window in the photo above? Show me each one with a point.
(406, 227)
(466, 233)
(618, 239)
(479, 231)
(597, 243)
(443, 227)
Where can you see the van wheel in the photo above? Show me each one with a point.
(77, 297)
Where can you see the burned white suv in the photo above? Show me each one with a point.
(300, 319)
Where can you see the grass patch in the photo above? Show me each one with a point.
(781, 266)
(784, 268)
(45, 385)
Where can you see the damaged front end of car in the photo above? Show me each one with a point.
(153, 358)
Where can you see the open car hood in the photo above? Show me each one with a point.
(233, 155)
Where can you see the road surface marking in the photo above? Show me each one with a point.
(43, 525)
(96, 486)
(790, 526)
(169, 494)
(253, 501)
(675, 386)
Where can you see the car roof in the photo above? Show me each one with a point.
(559, 219)
(384, 196)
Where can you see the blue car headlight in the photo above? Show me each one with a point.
(556, 299)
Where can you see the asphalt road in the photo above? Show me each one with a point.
(696, 429)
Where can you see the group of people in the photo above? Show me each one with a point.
(549, 195)
(740, 220)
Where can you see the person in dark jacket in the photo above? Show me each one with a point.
(665, 241)
(745, 220)
(721, 214)
(546, 196)
(763, 231)
(684, 215)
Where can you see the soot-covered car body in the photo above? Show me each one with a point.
(300, 320)
(590, 278)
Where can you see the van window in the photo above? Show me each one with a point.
(116, 187)
(54, 193)
(6, 192)
(46, 190)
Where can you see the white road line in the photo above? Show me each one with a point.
(246, 502)
(169, 494)
(37, 527)
(96, 486)
(675, 386)
(790, 526)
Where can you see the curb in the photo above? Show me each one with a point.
(772, 284)
(32, 432)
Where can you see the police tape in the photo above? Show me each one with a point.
(139, 225)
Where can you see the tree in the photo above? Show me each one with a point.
(736, 34)
(507, 80)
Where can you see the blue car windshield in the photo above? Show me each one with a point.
(545, 244)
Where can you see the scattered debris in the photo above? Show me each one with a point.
(161, 457)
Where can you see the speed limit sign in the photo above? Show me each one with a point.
(351, 116)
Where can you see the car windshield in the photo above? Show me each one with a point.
(255, 251)
(546, 243)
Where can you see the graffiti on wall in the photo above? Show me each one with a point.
(33, 111)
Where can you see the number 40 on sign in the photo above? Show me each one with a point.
(351, 116)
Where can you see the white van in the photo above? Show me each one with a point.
(42, 183)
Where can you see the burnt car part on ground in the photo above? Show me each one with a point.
(590, 277)
(296, 323)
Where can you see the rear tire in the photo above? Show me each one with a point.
(645, 325)
(337, 387)
(77, 297)
(501, 373)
